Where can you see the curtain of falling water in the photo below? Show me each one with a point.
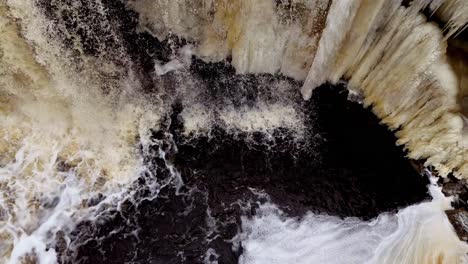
(74, 113)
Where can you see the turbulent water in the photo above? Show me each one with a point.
(415, 234)
(89, 91)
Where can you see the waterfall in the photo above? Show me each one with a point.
(86, 87)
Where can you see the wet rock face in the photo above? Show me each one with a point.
(451, 186)
(459, 220)
(349, 166)
(457, 189)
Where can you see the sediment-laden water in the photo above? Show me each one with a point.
(231, 131)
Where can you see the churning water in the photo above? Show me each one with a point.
(97, 97)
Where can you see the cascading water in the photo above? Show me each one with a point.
(414, 235)
(177, 131)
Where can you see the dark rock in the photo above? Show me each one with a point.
(459, 220)
(452, 186)
(457, 189)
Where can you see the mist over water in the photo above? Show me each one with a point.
(176, 132)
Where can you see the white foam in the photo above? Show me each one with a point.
(183, 61)
(211, 257)
(262, 117)
(62, 140)
(387, 51)
(416, 234)
(197, 119)
(62, 137)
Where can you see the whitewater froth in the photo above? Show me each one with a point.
(76, 121)
(416, 234)
(386, 51)
(62, 140)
